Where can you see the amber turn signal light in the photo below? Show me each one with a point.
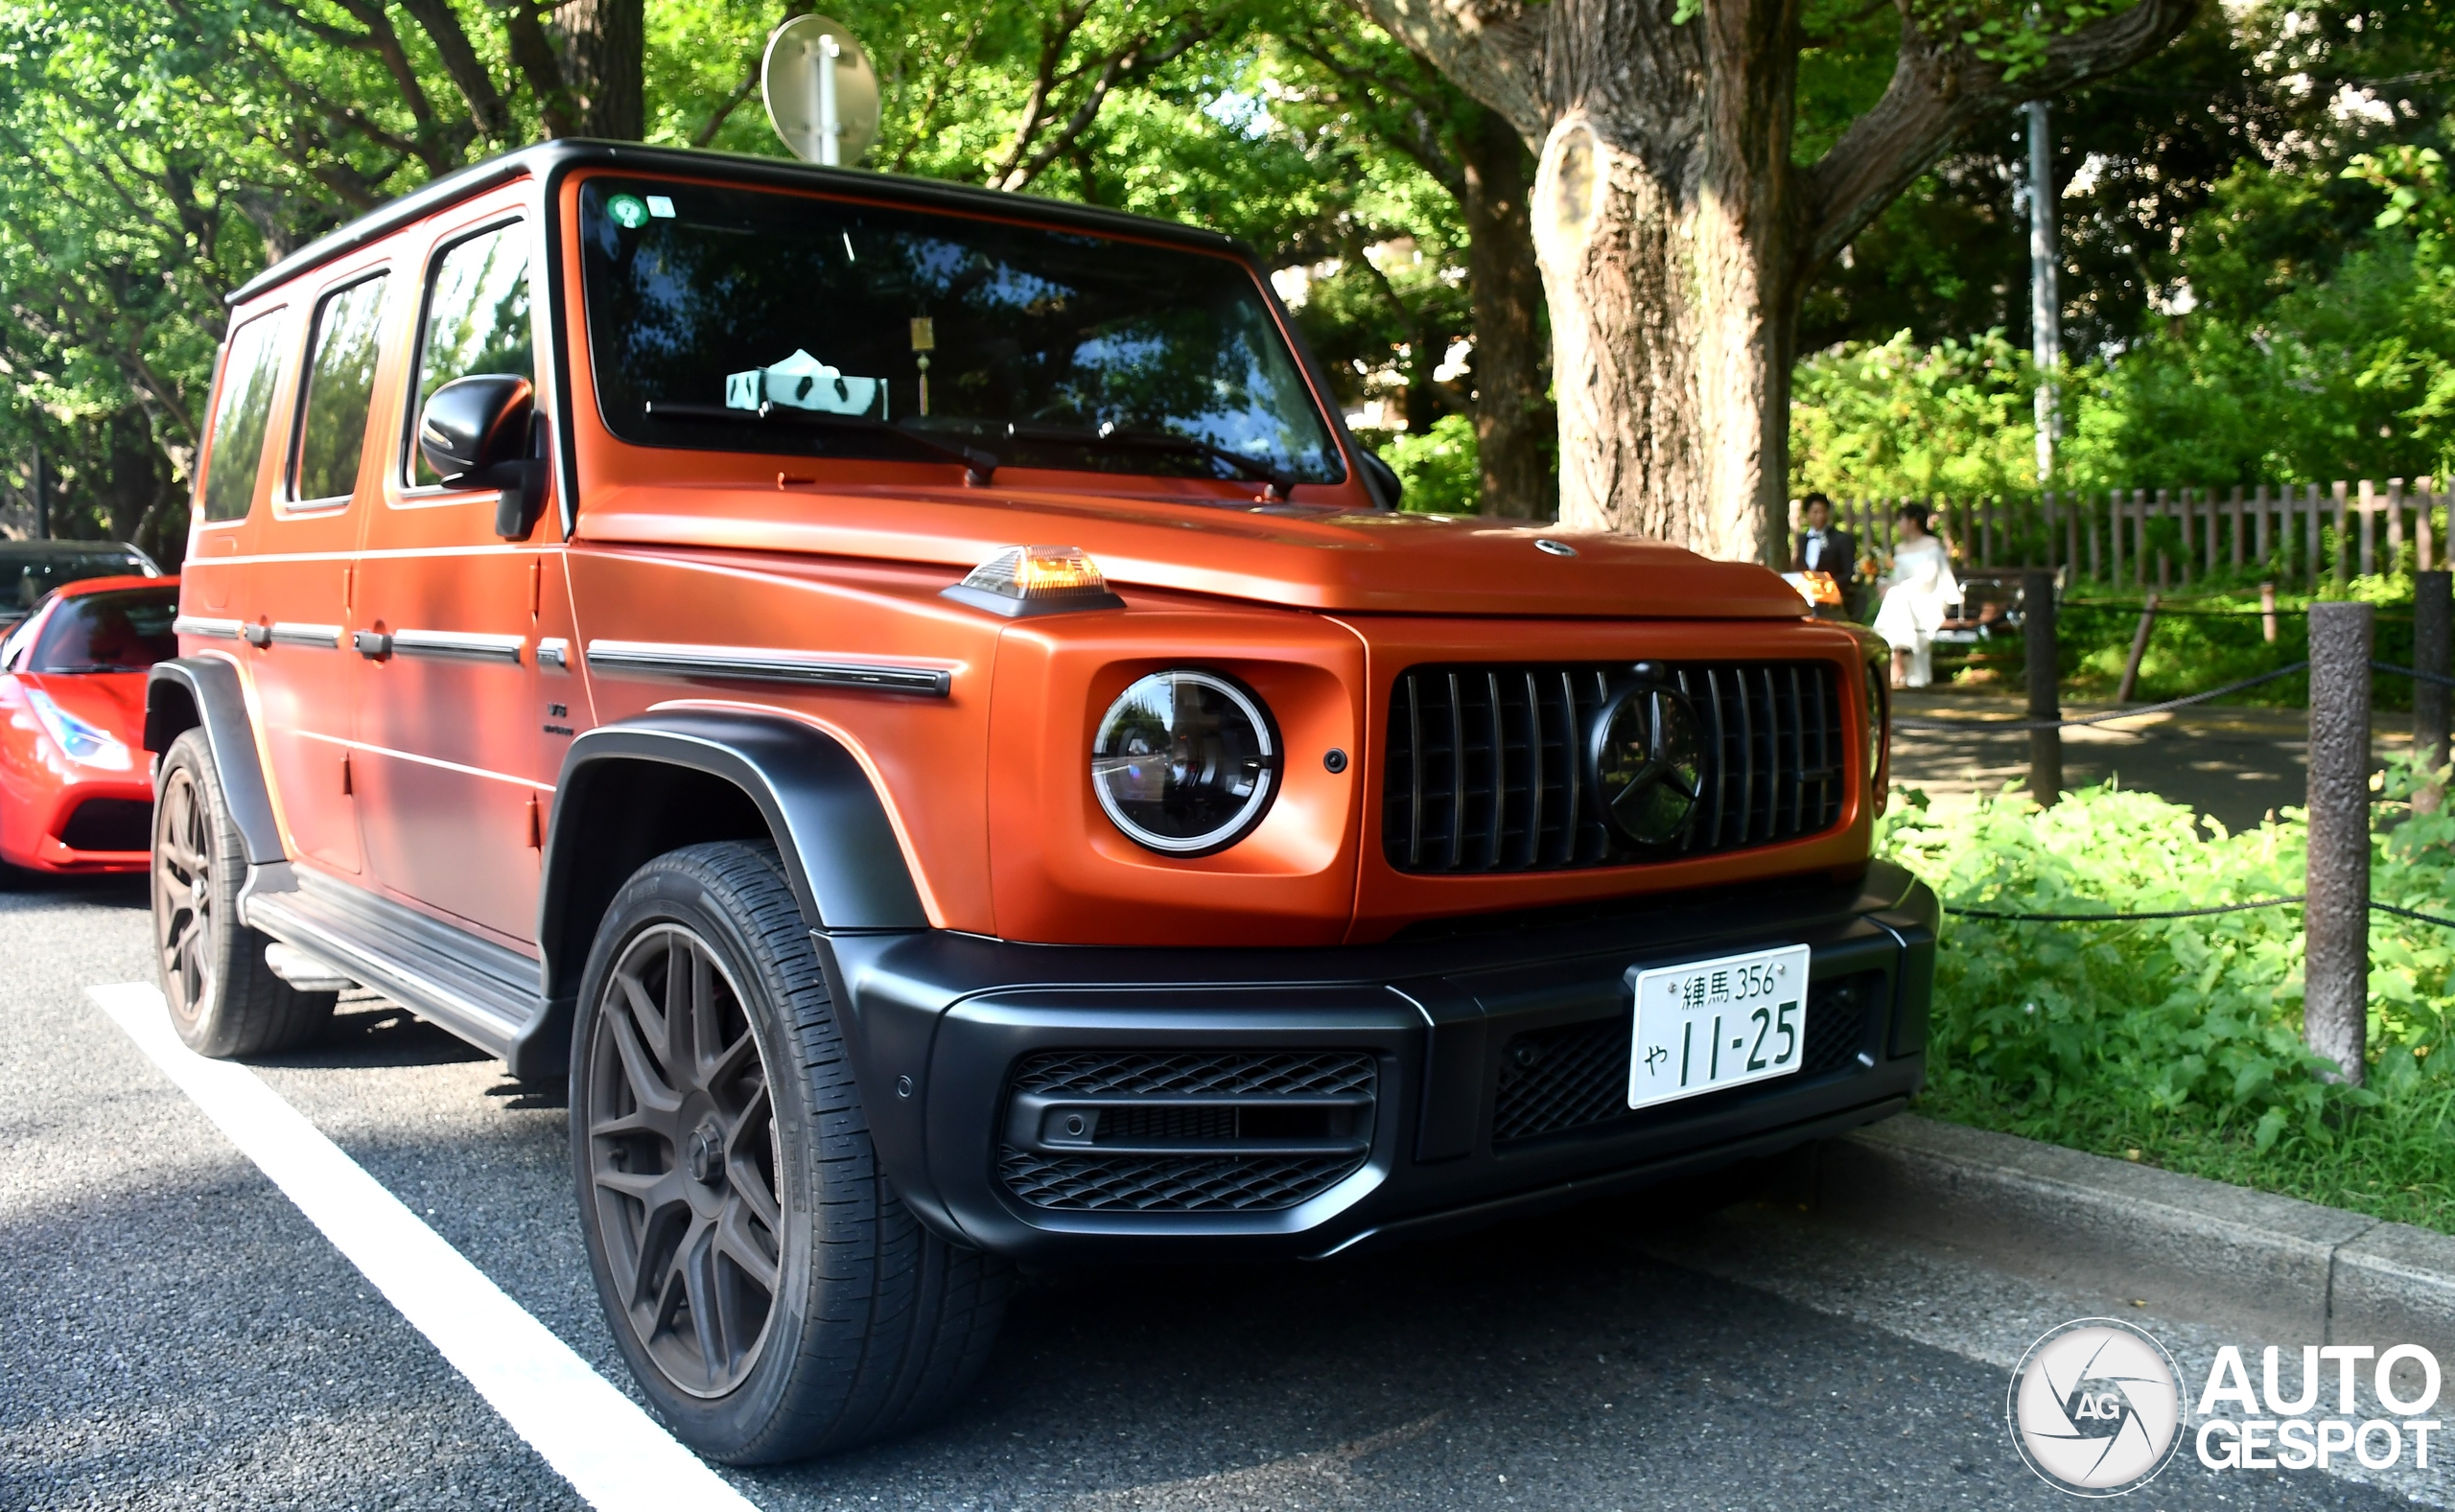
(1036, 580)
(1818, 588)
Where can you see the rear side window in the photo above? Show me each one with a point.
(340, 382)
(476, 319)
(111, 632)
(238, 439)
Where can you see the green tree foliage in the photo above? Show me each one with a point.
(159, 153)
(1898, 419)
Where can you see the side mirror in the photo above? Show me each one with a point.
(475, 434)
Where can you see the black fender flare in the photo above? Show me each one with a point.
(187, 693)
(829, 826)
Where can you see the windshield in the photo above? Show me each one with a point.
(839, 324)
(124, 631)
(27, 574)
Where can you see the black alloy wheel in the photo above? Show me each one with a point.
(224, 999)
(683, 1162)
(183, 869)
(770, 1292)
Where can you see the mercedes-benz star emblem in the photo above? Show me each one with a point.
(1648, 756)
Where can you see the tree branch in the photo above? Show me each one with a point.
(1938, 92)
(442, 27)
(1491, 49)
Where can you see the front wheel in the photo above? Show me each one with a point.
(771, 1293)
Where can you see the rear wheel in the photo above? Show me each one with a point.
(771, 1293)
(225, 1001)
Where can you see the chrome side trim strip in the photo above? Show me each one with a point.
(197, 625)
(554, 654)
(756, 665)
(462, 645)
(324, 638)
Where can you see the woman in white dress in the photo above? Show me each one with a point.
(1916, 591)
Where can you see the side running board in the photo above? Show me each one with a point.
(448, 976)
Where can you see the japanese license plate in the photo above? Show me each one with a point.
(1707, 1024)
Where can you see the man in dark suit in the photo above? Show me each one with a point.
(1821, 549)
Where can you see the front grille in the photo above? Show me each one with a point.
(1577, 1075)
(1487, 764)
(1132, 1073)
(1255, 1110)
(1203, 1183)
(109, 824)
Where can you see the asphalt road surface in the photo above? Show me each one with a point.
(174, 1331)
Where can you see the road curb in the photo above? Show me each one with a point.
(2190, 1248)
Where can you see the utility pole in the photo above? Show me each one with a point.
(2045, 303)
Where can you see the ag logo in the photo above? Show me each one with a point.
(2096, 1408)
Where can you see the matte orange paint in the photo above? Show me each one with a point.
(1316, 603)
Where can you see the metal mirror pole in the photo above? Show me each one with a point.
(2037, 642)
(2335, 1003)
(830, 130)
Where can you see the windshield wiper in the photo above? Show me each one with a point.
(1277, 480)
(978, 466)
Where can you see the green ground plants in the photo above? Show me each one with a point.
(2178, 1042)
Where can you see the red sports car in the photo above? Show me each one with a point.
(75, 795)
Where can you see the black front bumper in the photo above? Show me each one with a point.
(1421, 1067)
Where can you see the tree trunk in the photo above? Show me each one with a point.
(1512, 415)
(1675, 233)
(604, 51)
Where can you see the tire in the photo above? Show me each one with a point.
(774, 1297)
(225, 1001)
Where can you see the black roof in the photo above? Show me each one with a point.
(550, 160)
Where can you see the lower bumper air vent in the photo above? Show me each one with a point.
(1575, 1076)
(1185, 1131)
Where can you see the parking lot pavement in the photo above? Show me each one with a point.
(174, 1332)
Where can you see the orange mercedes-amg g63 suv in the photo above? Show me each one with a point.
(911, 699)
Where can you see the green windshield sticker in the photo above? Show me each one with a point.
(628, 211)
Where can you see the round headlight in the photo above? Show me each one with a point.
(1649, 763)
(1185, 762)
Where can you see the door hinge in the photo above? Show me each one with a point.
(348, 788)
(536, 586)
(536, 824)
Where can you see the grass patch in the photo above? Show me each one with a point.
(2179, 1043)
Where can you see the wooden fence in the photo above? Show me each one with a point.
(2294, 533)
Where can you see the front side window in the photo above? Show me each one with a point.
(743, 319)
(123, 631)
(341, 385)
(476, 320)
(238, 441)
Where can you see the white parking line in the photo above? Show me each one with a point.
(599, 1439)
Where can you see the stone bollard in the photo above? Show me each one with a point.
(2431, 612)
(2335, 1003)
(2038, 643)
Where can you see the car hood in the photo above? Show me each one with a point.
(1292, 554)
(114, 701)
